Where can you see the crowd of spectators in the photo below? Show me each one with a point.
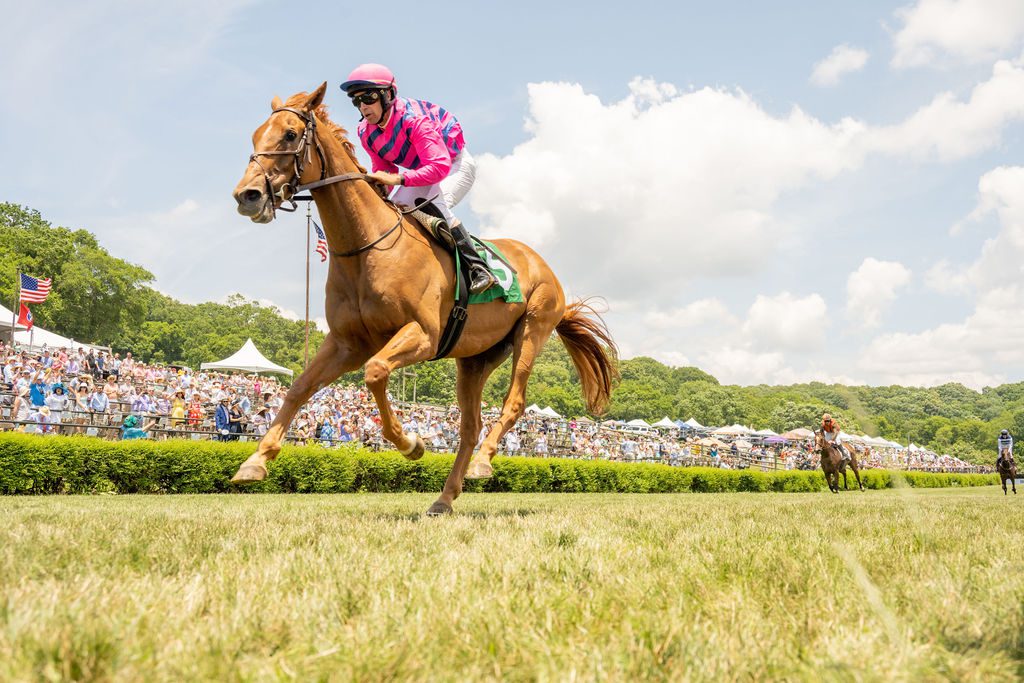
(87, 391)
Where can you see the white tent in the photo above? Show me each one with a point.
(736, 429)
(765, 432)
(550, 412)
(666, 423)
(534, 409)
(638, 423)
(6, 318)
(38, 337)
(693, 423)
(247, 358)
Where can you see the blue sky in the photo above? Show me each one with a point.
(774, 192)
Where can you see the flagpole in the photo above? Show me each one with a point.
(309, 218)
(17, 307)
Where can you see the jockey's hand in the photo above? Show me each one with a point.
(384, 178)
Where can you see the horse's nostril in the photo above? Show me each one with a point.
(251, 196)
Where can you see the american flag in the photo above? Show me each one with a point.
(321, 242)
(34, 290)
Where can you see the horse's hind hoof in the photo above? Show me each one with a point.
(249, 474)
(439, 509)
(478, 469)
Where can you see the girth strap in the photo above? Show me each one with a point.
(457, 319)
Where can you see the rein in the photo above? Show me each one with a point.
(302, 156)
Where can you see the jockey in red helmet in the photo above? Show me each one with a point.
(425, 139)
(831, 432)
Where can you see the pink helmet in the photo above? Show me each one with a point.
(376, 76)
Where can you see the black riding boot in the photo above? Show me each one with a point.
(480, 277)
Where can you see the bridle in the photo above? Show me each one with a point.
(302, 155)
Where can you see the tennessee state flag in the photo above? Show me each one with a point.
(25, 317)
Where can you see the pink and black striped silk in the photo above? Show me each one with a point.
(419, 136)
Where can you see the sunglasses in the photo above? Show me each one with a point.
(365, 98)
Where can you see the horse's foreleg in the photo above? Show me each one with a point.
(409, 346)
(331, 360)
(528, 341)
(473, 373)
(856, 472)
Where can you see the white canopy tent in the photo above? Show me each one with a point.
(638, 423)
(534, 409)
(765, 432)
(733, 430)
(666, 423)
(550, 412)
(6, 318)
(247, 358)
(37, 336)
(693, 423)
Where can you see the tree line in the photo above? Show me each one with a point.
(100, 298)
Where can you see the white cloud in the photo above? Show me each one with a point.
(872, 287)
(966, 352)
(677, 186)
(965, 30)
(684, 185)
(945, 278)
(950, 129)
(693, 315)
(1001, 192)
(842, 60)
(992, 336)
(787, 323)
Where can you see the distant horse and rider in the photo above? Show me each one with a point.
(835, 456)
(391, 287)
(1006, 466)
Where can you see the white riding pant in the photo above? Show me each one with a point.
(446, 194)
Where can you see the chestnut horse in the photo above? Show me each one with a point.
(832, 463)
(1007, 468)
(390, 290)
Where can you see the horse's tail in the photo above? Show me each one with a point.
(593, 352)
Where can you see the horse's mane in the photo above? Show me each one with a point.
(338, 132)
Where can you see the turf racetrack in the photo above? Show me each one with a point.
(903, 584)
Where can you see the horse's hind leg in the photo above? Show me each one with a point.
(473, 373)
(536, 327)
(331, 360)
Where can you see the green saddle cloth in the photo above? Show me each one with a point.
(508, 281)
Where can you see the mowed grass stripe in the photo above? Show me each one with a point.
(901, 584)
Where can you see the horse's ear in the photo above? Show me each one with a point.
(316, 98)
(276, 103)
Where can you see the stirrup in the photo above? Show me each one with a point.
(481, 280)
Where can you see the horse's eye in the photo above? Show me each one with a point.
(290, 136)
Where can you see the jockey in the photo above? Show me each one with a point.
(427, 140)
(1004, 441)
(830, 430)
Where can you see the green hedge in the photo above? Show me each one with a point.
(31, 464)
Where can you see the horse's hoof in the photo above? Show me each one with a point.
(249, 474)
(478, 469)
(418, 449)
(439, 509)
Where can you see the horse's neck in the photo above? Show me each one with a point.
(353, 214)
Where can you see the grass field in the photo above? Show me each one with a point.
(902, 584)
